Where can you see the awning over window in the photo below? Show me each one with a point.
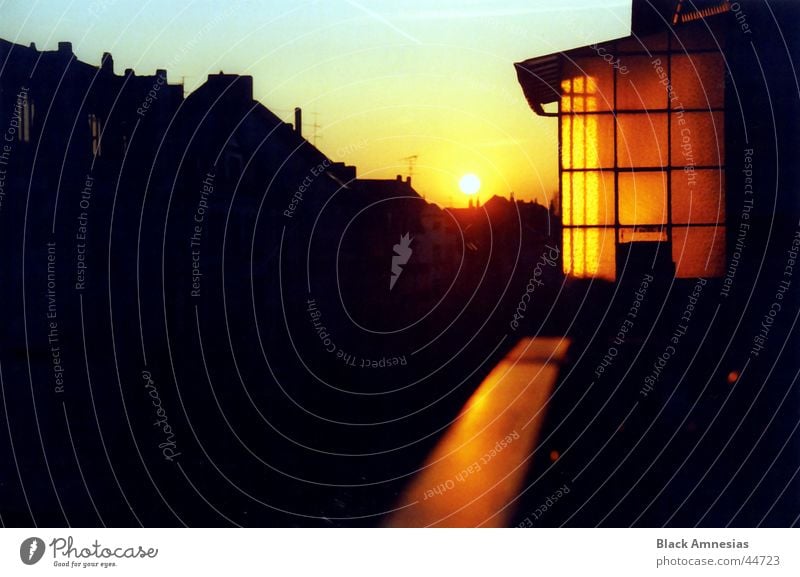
(540, 79)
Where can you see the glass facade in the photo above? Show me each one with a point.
(641, 129)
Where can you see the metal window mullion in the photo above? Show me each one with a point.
(669, 146)
(616, 171)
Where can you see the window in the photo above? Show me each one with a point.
(643, 198)
(642, 154)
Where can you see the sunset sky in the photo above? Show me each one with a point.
(384, 80)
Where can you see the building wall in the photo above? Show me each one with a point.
(642, 154)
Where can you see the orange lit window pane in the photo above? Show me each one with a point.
(642, 140)
(643, 198)
(698, 196)
(698, 139)
(589, 252)
(587, 197)
(599, 83)
(698, 251)
(698, 80)
(579, 94)
(587, 141)
(640, 88)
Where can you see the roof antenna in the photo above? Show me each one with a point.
(412, 161)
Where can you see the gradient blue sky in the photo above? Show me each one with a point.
(386, 79)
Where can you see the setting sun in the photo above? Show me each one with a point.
(469, 184)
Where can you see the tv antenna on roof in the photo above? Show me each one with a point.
(412, 161)
(314, 128)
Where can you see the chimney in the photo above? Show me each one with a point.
(408, 180)
(161, 73)
(298, 121)
(245, 85)
(107, 63)
(65, 48)
(399, 178)
(231, 87)
(33, 46)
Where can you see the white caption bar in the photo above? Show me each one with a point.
(400, 552)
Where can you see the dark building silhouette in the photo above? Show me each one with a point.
(185, 276)
(209, 321)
